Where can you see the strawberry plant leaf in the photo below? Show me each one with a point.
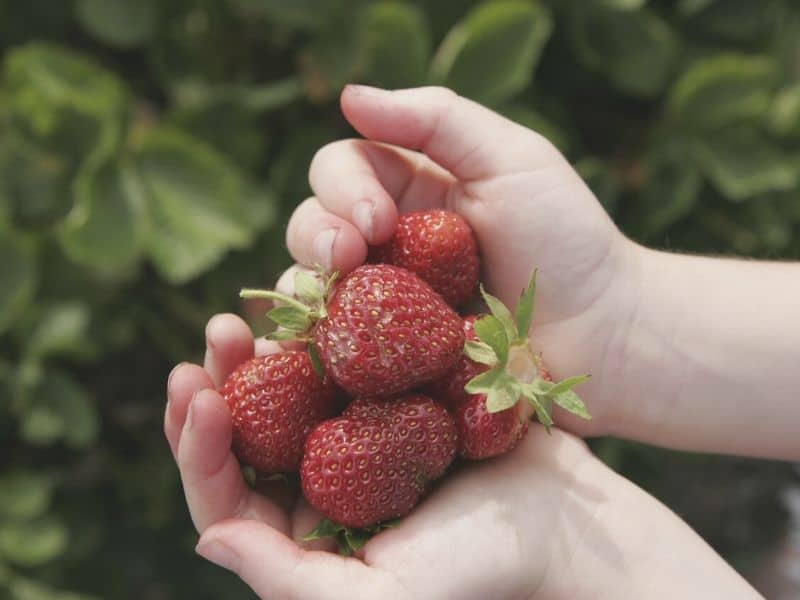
(324, 529)
(307, 287)
(491, 332)
(356, 538)
(289, 317)
(567, 384)
(540, 387)
(480, 353)
(570, 401)
(282, 335)
(525, 308)
(503, 395)
(543, 408)
(502, 314)
(481, 384)
(316, 362)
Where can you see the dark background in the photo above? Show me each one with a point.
(152, 150)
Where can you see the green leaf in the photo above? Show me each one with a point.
(289, 317)
(483, 383)
(671, 191)
(398, 44)
(123, 23)
(282, 335)
(724, 89)
(744, 163)
(542, 408)
(491, 332)
(784, 113)
(623, 4)
(22, 588)
(316, 362)
(32, 543)
(324, 529)
(356, 538)
(198, 205)
(24, 494)
(539, 387)
(524, 316)
(491, 54)
(503, 395)
(570, 401)
(61, 100)
(104, 229)
(480, 353)
(58, 408)
(637, 50)
(62, 329)
(501, 312)
(18, 274)
(307, 287)
(567, 384)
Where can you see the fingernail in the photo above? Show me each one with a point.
(363, 214)
(220, 554)
(190, 413)
(323, 247)
(169, 379)
(365, 90)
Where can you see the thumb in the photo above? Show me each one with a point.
(467, 139)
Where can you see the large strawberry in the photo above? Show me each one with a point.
(500, 382)
(381, 330)
(437, 245)
(375, 461)
(275, 401)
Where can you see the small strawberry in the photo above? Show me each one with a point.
(381, 331)
(486, 389)
(275, 401)
(438, 246)
(374, 462)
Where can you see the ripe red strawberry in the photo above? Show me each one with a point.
(275, 401)
(375, 461)
(493, 397)
(380, 332)
(438, 246)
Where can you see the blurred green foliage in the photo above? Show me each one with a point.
(151, 149)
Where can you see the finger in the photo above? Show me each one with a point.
(467, 139)
(366, 182)
(229, 342)
(317, 237)
(265, 346)
(184, 381)
(275, 567)
(211, 475)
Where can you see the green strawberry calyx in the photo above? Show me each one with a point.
(515, 370)
(349, 539)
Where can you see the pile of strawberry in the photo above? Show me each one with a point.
(394, 384)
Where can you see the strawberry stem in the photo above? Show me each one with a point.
(250, 294)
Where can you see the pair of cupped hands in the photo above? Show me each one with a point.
(547, 520)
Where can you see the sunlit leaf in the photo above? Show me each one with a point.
(492, 53)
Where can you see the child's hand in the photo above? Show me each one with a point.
(546, 520)
(527, 206)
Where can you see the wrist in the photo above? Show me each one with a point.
(626, 544)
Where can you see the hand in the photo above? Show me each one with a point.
(546, 520)
(428, 148)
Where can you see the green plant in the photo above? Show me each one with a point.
(150, 150)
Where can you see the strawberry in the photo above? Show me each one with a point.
(438, 246)
(381, 331)
(275, 401)
(499, 383)
(375, 461)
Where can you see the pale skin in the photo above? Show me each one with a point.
(684, 352)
